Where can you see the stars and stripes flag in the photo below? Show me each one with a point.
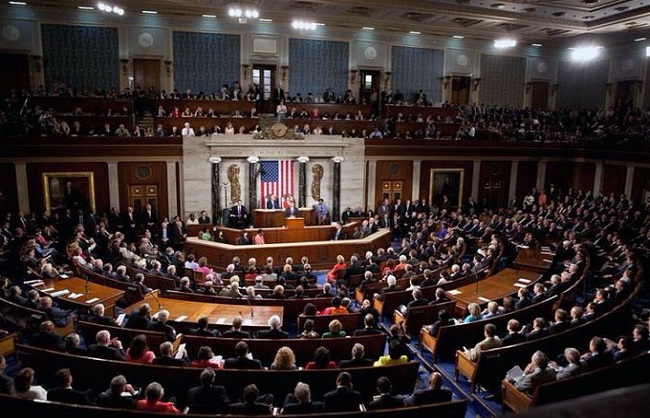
(276, 179)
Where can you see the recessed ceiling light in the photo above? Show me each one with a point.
(498, 5)
(504, 43)
(85, 8)
(368, 28)
(458, 36)
(266, 20)
(319, 24)
(18, 3)
(150, 12)
(414, 32)
(210, 16)
(537, 45)
(640, 39)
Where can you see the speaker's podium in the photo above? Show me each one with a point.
(295, 229)
(294, 223)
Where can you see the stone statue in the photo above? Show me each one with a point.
(235, 187)
(317, 170)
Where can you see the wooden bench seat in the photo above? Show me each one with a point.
(454, 409)
(96, 374)
(622, 374)
(29, 320)
(419, 316)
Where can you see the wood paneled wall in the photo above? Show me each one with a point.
(526, 178)
(641, 182)
(8, 190)
(566, 175)
(613, 179)
(494, 183)
(35, 182)
(133, 174)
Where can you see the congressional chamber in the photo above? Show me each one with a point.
(208, 210)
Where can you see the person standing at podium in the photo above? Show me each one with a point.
(291, 211)
(272, 202)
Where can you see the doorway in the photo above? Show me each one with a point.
(539, 95)
(625, 93)
(146, 74)
(370, 83)
(460, 90)
(264, 76)
(140, 195)
(392, 190)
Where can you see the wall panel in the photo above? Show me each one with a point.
(150, 173)
(613, 179)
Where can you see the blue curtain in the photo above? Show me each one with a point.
(503, 80)
(315, 66)
(205, 61)
(416, 69)
(582, 84)
(81, 56)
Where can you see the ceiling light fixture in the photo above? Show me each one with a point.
(18, 3)
(504, 43)
(640, 39)
(537, 45)
(150, 12)
(585, 53)
(266, 20)
(414, 32)
(458, 36)
(647, 51)
(107, 8)
(210, 16)
(302, 25)
(243, 14)
(368, 28)
(85, 8)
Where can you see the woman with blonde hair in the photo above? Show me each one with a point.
(285, 359)
(474, 313)
(336, 330)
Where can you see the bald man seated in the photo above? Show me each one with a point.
(435, 393)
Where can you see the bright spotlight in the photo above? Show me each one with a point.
(504, 43)
(585, 53)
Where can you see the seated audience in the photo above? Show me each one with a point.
(208, 398)
(153, 402)
(434, 393)
(385, 400)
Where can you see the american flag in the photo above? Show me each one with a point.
(276, 179)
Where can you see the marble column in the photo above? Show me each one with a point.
(371, 199)
(629, 179)
(216, 190)
(598, 178)
(512, 189)
(172, 190)
(476, 180)
(253, 161)
(23, 187)
(336, 204)
(302, 181)
(415, 189)
(541, 175)
(113, 185)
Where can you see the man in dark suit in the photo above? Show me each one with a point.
(435, 393)
(204, 219)
(242, 361)
(274, 332)
(299, 402)
(250, 404)
(338, 234)
(64, 392)
(167, 357)
(272, 202)
(343, 398)
(291, 211)
(139, 319)
(369, 327)
(6, 382)
(97, 316)
(513, 336)
(148, 219)
(385, 399)
(357, 360)
(207, 398)
(106, 348)
(46, 338)
(160, 324)
(238, 215)
(119, 395)
(129, 223)
(235, 331)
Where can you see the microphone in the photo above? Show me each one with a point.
(250, 306)
(476, 277)
(153, 295)
(86, 287)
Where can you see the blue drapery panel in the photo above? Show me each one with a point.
(318, 65)
(502, 80)
(205, 61)
(416, 69)
(582, 84)
(80, 56)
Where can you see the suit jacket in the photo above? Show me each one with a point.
(170, 333)
(386, 401)
(428, 396)
(512, 338)
(529, 382)
(273, 204)
(362, 362)
(339, 235)
(272, 334)
(6, 383)
(365, 331)
(105, 352)
(231, 333)
(242, 363)
(486, 344)
(571, 370)
(137, 321)
(342, 399)
(303, 408)
(208, 399)
(255, 408)
(46, 340)
(70, 395)
(171, 361)
(291, 212)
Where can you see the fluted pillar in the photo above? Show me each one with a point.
(302, 181)
(336, 204)
(253, 161)
(216, 191)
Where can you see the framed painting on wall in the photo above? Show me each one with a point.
(446, 187)
(72, 190)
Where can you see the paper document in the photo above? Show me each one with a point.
(482, 299)
(521, 279)
(547, 260)
(75, 295)
(37, 282)
(454, 292)
(180, 351)
(120, 319)
(49, 289)
(181, 318)
(514, 374)
(546, 249)
(221, 320)
(59, 293)
(93, 300)
(63, 276)
(521, 285)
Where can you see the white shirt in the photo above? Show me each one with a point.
(187, 132)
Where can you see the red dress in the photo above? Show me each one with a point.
(333, 274)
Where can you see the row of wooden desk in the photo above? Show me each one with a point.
(80, 293)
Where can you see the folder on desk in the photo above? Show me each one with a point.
(49, 289)
(454, 292)
(521, 279)
(58, 293)
(181, 318)
(482, 299)
(521, 285)
(93, 300)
